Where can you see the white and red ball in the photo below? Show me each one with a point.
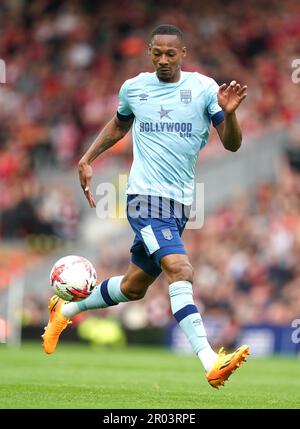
(73, 278)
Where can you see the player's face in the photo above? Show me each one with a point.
(167, 53)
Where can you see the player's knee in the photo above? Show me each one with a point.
(179, 270)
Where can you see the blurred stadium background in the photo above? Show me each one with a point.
(65, 61)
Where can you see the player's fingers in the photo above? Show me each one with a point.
(242, 97)
(87, 193)
(223, 87)
(90, 198)
(242, 90)
(92, 201)
(231, 87)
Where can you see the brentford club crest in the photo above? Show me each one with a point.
(185, 96)
(167, 234)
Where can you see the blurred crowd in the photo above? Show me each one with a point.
(65, 61)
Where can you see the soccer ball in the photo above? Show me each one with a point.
(73, 278)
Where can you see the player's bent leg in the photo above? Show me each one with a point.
(136, 282)
(132, 286)
(179, 273)
(110, 292)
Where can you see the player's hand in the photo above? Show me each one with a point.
(85, 176)
(231, 96)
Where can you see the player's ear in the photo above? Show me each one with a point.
(184, 51)
(149, 49)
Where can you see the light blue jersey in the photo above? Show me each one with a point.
(171, 125)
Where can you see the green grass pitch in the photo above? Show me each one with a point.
(81, 376)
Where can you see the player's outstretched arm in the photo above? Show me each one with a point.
(229, 98)
(114, 131)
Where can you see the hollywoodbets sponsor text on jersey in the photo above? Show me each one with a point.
(183, 129)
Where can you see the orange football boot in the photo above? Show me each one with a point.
(225, 365)
(57, 323)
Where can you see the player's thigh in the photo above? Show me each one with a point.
(177, 267)
(136, 281)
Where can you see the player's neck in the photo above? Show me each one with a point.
(173, 79)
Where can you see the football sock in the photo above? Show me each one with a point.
(189, 319)
(104, 295)
(207, 357)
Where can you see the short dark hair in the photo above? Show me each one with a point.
(167, 29)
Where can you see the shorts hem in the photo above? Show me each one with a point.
(160, 253)
(153, 273)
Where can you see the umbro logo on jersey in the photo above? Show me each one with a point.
(185, 96)
(143, 97)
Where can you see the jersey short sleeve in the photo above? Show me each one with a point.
(214, 110)
(124, 112)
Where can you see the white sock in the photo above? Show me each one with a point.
(70, 309)
(207, 357)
